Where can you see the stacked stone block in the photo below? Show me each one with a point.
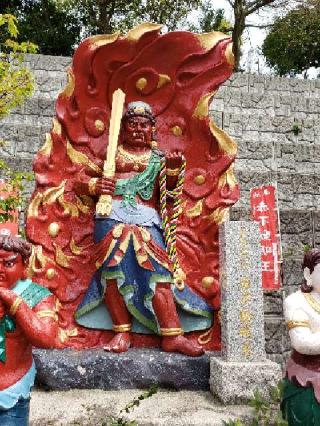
(261, 114)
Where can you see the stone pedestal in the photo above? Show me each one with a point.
(243, 366)
(138, 368)
(234, 382)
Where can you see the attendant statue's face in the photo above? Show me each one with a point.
(137, 131)
(12, 268)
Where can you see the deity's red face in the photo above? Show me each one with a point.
(138, 131)
(12, 268)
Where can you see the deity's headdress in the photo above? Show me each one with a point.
(141, 109)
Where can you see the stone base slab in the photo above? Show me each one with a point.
(138, 368)
(235, 382)
(94, 407)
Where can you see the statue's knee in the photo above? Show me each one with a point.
(163, 289)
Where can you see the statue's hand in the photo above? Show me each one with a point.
(7, 297)
(174, 160)
(105, 186)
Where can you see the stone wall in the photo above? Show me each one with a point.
(260, 113)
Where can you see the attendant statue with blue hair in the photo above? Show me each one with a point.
(138, 286)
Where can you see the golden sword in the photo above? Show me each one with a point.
(104, 205)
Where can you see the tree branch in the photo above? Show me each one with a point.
(262, 26)
(256, 5)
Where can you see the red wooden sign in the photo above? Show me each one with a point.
(264, 210)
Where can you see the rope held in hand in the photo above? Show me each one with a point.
(170, 223)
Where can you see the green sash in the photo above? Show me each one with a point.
(31, 294)
(142, 183)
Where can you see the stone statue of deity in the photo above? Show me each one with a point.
(301, 400)
(148, 274)
(27, 318)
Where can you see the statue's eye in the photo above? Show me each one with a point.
(9, 264)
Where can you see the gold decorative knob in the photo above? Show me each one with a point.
(176, 130)
(53, 229)
(50, 273)
(199, 180)
(207, 281)
(141, 83)
(99, 125)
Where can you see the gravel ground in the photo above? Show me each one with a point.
(95, 407)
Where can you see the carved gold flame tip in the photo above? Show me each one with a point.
(36, 257)
(65, 334)
(47, 146)
(74, 248)
(196, 210)
(209, 40)
(163, 79)
(56, 127)
(61, 258)
(229, 55)
(137, 32)
(68, 90)
(226, 143)
(202, 109)
(103, 39)
(78, 157)
(220, 215)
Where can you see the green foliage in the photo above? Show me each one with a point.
(266, 410)
(16, 81)
(306, 248)
(296, 129)
(108, 16)
(16, 84)
(43, 21)
(211, 19)
(121, 421)
(292, 45)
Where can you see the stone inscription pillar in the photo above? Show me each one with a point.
(243, 366)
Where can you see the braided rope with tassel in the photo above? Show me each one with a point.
(170, 224)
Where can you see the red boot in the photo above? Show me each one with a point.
(121, 318)
(171, 331)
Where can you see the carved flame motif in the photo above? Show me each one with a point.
(177, 74)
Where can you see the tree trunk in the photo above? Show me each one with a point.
(104, 24)
(239, 26)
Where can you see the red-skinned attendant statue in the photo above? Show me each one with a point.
(27, 317)
(141, 289)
